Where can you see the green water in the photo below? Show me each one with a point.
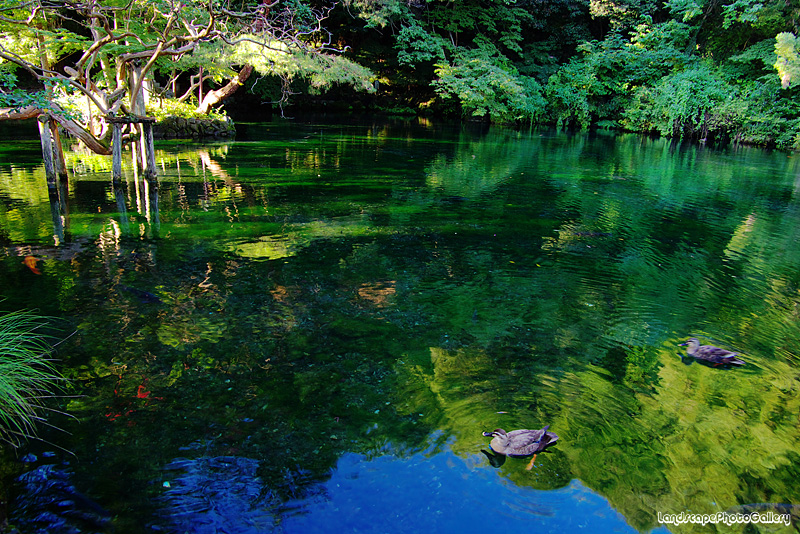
(326, 296)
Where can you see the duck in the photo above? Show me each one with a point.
(710, 353)
(521, 443)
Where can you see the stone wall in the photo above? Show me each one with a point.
(180, 128)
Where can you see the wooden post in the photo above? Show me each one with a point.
(143, 151)
(58, 150)
(135, 158)
(47, 149)
(142, 148)
(149, 150)
(116, 152)
(138, 108)
(200, 87)
(119, 196)
(57, 215)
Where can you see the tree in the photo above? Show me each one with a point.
(486, 85)
(92, 59)
(787, 48)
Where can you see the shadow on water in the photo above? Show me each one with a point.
(307, 331)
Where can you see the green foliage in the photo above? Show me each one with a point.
(771, 118)
(685, 103)
(744, 11)
(170, 107)
(623, 14)
(700, 103)
(416, 45)
(26, 376)
(569, 92)
(376, 13)
(598, 85)
(320, 70)
(10, 95)
(16, 98)
(485, 86)
(755, 62)
(685, 10)
(787, 48)
(326, 70)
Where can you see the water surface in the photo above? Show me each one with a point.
(307, 329)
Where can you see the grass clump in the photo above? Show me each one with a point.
(27, 376)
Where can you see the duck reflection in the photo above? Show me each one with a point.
(495, 460)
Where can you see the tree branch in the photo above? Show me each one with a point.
(218, 95)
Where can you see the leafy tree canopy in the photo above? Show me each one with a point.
(105, 50)
(787, 48)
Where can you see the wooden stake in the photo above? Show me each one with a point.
(149, 150)
(116, 152)
(58, 150)
(47, 149)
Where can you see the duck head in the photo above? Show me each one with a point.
(692, 344)
(499, 440)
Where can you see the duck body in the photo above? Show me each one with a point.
(710, 353)
(521, 443)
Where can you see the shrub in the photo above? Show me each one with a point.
(597, 85)
(487, 86)
(691, 103)
(170, 107)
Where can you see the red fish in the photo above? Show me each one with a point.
(30, 263)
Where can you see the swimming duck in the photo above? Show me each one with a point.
(519, 443)
(710, 353)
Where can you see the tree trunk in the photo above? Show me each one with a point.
(98, 146)
(95, 145)
(218, 95)
(11, 114)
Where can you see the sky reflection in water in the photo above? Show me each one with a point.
(446, 493)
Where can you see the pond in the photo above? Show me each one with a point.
(308, 329)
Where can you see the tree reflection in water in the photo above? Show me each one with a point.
(348, 301)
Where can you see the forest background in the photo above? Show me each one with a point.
(710, 70)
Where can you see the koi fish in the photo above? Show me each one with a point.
(30, 263)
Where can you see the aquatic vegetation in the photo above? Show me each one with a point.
(27, 376)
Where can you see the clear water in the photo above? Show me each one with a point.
(307, 329)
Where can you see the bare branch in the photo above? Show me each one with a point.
(20, 6)
(27, 21)
(194, 85)
(97, 45)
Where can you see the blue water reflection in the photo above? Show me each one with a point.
(446, 493)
